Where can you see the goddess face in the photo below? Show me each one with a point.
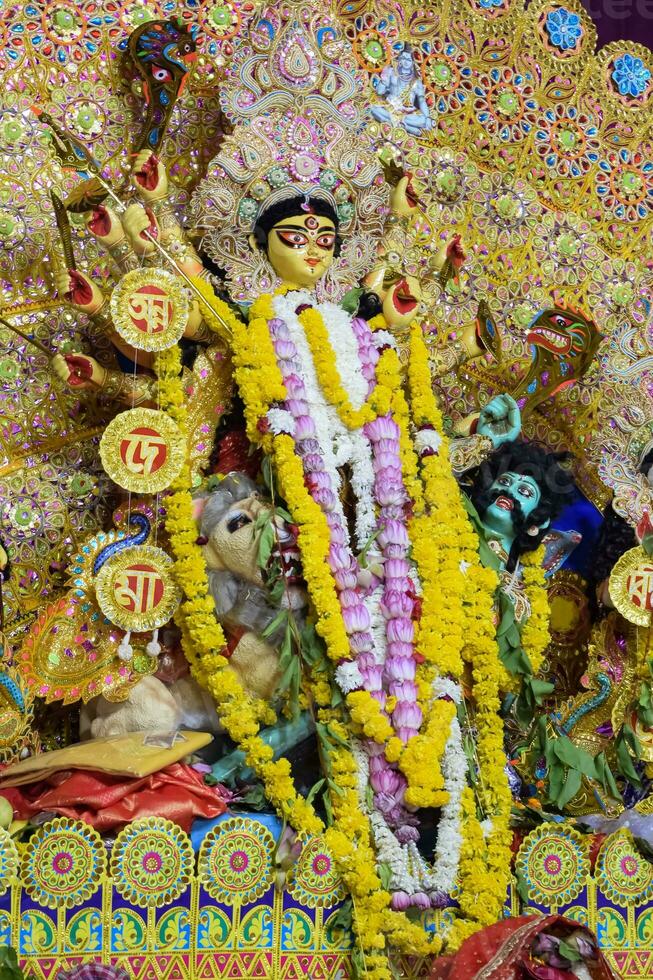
(301, 248)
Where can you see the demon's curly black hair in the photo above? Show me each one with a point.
(554, 480)
(289, 208)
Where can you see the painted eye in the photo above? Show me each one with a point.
(561, 321)
(161, 74)
(237, 520)
(525, 491)
(505, 481)
(294, 239)
(326, 240)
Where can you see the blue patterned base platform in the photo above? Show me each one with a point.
(164, 909)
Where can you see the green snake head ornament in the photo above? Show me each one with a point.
(563, 344)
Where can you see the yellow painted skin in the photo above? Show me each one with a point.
(300, 248)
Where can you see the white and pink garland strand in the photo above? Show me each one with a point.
(365, 669)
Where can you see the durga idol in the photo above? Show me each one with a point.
(292, 212)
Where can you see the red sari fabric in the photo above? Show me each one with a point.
(501, 952)
(177, 793)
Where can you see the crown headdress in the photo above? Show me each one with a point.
(295, 99)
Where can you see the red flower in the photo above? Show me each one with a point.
(644, 532)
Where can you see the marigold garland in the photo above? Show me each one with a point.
(202, 635)
(313, 541)
(535, 634)
(462, 628)
(349, 840)
(324, 360)
(255, 367)
(448, 632)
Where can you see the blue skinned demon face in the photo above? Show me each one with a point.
(514, 492)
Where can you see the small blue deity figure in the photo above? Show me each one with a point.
(404, 95)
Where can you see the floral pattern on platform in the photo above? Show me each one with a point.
(554, 863)
(9, 860)
(235, 862)
(63, 864)
(151, 862)
(622, 873)
(314, 881)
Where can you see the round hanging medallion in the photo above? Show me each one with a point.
(150, 309)
(631, 587)
(135, 589)
(142, 450)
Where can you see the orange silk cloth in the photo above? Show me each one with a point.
(177, 793)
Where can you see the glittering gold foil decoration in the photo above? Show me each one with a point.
(135, 589)
(142, 450)
(631, 587)
(150, 309)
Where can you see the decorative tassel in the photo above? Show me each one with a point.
(153, 648)
(125, 650)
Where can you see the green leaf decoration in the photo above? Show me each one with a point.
(570, 952)
(385, 874)
(350, 300)
(569, 788)
(606, 776)
(9, 967)
(522, 888)
(625, 744)
(573, 757)
(265, 545)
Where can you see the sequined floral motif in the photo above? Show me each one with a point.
(622, 874)
(554, 864)
(9, 860)
(314, 881)
(505, 210)
(235, 862)
(447, 75)
(564, 28)
(491, 7)
(62, 32)
(567, 140)
(505, 103)
(63, 864)
(565, 246)
(624, 183)
(630, 75)
(151, 862)
(221, 22)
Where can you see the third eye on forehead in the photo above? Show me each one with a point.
(306, 225)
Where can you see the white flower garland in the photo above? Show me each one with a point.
(339, 445)
(447, 848)
(345, 347)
